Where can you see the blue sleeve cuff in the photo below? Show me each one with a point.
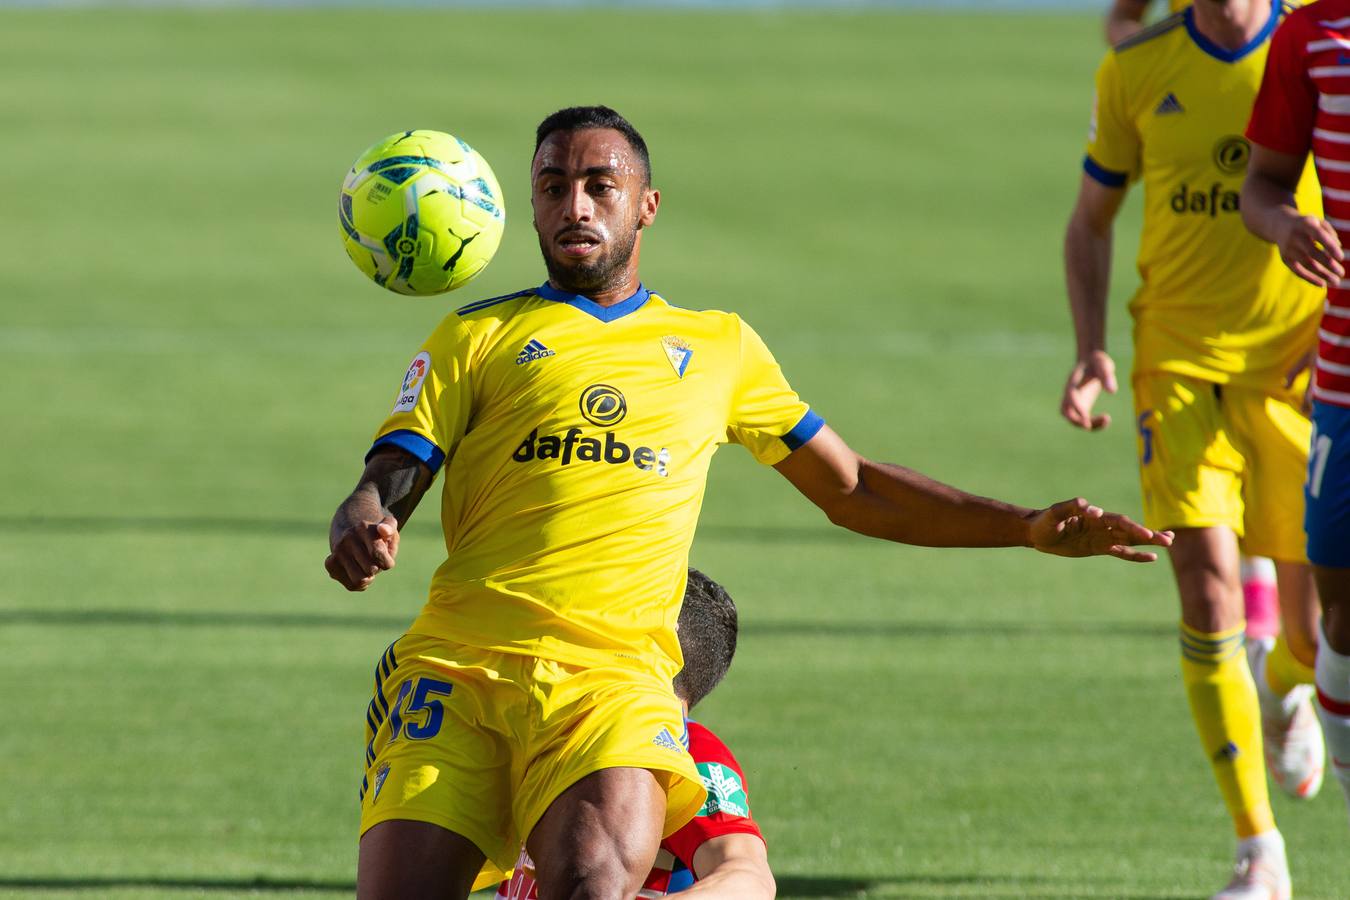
(804, 430)
(1105, 176)
(414, 443)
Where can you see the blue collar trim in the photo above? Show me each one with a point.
(587, 305)
(1228, 56)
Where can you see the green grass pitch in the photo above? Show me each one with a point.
(190, 371)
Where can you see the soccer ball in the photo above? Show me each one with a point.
(421, 213)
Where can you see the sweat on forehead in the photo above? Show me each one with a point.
(582, 118)
(587, 153)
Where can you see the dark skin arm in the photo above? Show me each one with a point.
(899, 504)
(363, 537)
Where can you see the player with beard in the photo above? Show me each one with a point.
(530, 701)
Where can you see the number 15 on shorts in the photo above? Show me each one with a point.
(421, 718)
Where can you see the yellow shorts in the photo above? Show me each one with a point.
(1212, 455)
(482, 742)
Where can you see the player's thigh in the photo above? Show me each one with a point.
(1189, 471)
(600, 837)
(1327, 488)
(434, 751)
(1272, 434)
(405, 860)
(607, 718)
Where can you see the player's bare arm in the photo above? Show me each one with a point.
(1087, 275)
(1124, 18)
(898, 504)
(1308, 245)
(363, 536)
(732, 867)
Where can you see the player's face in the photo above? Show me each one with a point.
(590, 202)
(1228, 11)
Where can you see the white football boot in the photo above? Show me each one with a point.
(1296, 755)
(1261, 871)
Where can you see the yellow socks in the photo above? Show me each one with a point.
(1223, 702)
(1283, 671)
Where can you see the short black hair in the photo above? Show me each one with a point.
(578, 118)
(707, 629)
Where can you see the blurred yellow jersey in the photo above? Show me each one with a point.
(576, 441)
(1216, 303)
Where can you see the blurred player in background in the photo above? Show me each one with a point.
(530, 702)
(1260, 596)
(1219, 325)
(1304, 106)
(720, 853)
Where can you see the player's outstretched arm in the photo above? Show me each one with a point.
(1308, 245)
(1087, 275)
(732, 867)
(899, 504)
(363, 537)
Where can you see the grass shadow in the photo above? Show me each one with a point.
(260, 884)
(845, 628)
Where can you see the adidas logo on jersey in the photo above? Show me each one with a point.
(665, 739)
(1169, 104)
(532, 351)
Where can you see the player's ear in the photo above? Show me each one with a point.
(651, 199)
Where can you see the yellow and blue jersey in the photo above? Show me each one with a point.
(576, 441)
(1215, 302)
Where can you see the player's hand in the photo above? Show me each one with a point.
(1076, 528)
(1311, 249)
(1089, 377)
(362, 552)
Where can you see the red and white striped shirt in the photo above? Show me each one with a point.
(1303, 106)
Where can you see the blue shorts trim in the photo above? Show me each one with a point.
(1327, 489)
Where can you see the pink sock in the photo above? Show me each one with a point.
(1262, 602)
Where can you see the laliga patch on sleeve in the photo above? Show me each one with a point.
(412, 382)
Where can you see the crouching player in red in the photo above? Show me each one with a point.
(720, 852)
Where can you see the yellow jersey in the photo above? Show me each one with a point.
(576, 441)
(1215, 302)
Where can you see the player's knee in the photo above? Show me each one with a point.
(595, 876)
(403, 859)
